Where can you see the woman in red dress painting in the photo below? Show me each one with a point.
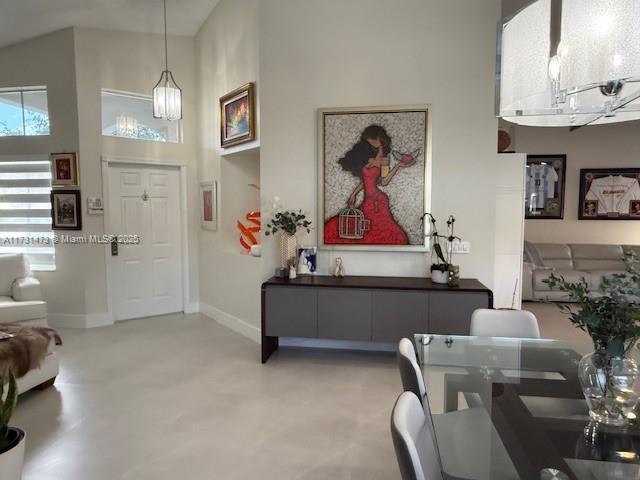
(369, 161)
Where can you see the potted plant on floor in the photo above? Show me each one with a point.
(11, 438)
(288, 223)
(609, 377)
(442, 270)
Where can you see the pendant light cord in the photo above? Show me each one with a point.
(166, 48)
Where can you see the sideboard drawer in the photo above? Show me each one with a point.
(398, 314)
(292, 312)
(344, 314)
(450, 313)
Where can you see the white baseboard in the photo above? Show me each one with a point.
(79, 320)
(192, 308)
(234, 323)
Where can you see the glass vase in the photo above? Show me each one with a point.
(611, 387)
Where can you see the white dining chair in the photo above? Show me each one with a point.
(486, 322)
(414, 440)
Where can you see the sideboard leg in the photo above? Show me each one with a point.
(269, 345)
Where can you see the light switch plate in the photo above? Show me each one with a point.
(460, 247)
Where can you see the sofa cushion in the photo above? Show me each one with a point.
(532, 255)
(597, 257)
(572, 276)
(555, 255)
(12, 266)
(12, 311)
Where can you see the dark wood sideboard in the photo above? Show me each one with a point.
(375, 309)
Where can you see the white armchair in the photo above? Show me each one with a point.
(21, 302)
(20, 295)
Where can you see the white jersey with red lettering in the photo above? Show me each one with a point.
(614, 193)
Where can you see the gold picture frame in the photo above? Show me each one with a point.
(237, 116)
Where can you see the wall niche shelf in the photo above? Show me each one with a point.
(249, 149)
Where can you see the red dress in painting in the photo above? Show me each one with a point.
(383, 228)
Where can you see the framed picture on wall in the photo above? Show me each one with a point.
(64, 169)
(237, 116)
(209, 205)
(372, 177)
(544, 186)
(66, 210)
(609, 194)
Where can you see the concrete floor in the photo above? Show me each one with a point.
(181, 397)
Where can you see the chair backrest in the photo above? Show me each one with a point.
(504, 323)
(12, 266)
(414, 440)
(410, 373)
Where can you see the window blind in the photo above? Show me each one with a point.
(25, 211)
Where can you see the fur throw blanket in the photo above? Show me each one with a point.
(27, 349)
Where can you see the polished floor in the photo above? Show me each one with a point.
(181, 397)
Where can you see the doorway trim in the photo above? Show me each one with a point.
(107, 161)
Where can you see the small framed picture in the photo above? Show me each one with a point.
(544, 184)
(66, 210)
(237, 112)
(209, 205)
(307, 260)
(609, 194)
(64, 170)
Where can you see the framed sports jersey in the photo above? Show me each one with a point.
(609, 194)
(544, 186)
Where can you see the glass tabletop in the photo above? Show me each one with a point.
(505, 408)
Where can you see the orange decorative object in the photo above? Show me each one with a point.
(247, 234)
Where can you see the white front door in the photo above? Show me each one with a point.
(146, 279)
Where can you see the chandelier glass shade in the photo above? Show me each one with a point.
(167, 95)
(570, 63)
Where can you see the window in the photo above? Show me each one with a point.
(24, 112)
(25, 211)
(130, 115)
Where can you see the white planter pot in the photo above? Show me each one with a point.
(288, 249)
(11, 461)
(439, 277)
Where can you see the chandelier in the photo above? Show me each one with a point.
(570, 63)
(167, 95)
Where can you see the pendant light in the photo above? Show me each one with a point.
(570, 63)
(167, 95)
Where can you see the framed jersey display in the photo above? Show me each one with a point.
(544, 185)
(609, 194)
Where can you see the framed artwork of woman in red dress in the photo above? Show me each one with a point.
(373, 177)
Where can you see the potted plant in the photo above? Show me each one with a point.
(11, 438)
(442, 270)
(609, 377)
(288, 223)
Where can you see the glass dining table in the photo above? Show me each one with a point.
(504, 408)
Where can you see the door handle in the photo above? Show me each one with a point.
(114, 248)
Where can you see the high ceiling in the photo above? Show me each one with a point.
(23, 19)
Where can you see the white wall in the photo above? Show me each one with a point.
(599, 146)
(49, 60)
(227, 57)
(130, 62)
(373, 53)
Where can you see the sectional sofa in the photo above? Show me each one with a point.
(573, 262)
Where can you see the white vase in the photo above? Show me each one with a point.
(439, 277)
(12, 460)
(288, 247)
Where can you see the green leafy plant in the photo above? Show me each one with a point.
(7, 404)
(443, 256)
(289, 222)
(612, 317)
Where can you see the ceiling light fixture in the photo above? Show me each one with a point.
(569, 63)
(167, 95)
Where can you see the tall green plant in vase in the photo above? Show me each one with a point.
(610, 377)
(288, 223)
(442, 268)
